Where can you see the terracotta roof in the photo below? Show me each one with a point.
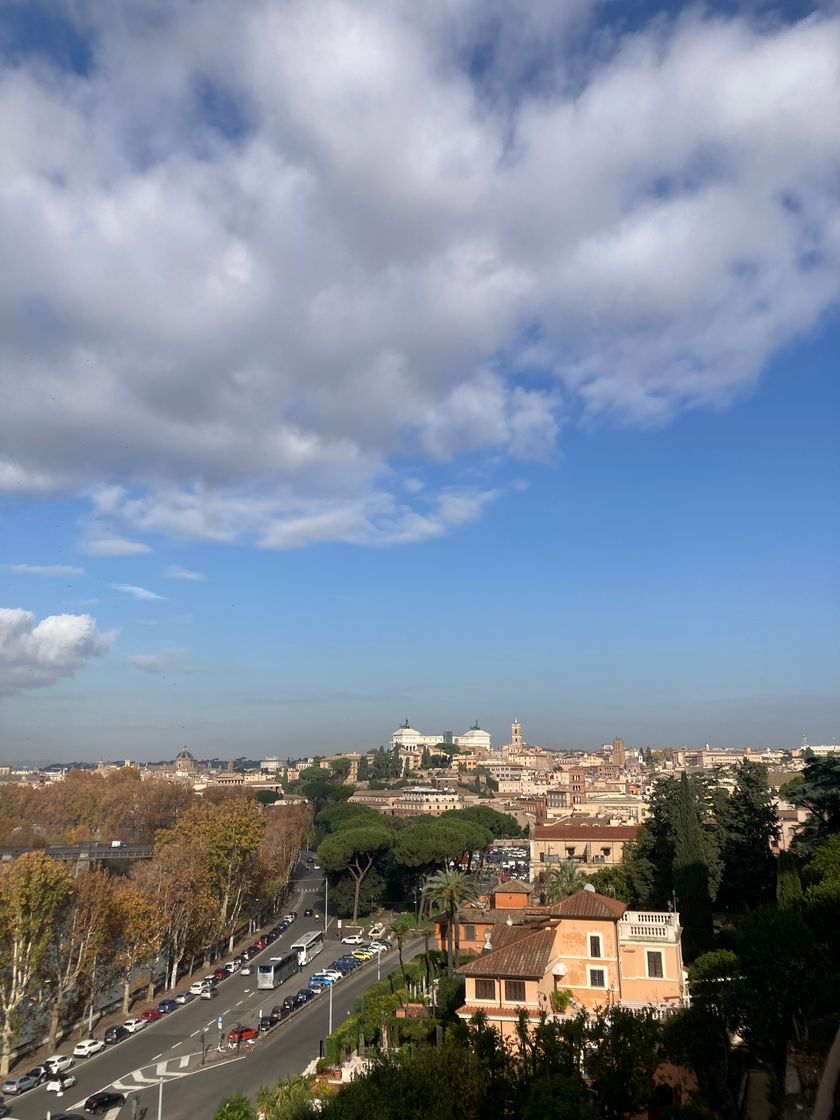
(585, 832)
(588, 904)
(526, 957)
(512, 886)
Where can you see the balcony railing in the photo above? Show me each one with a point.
(649, 925)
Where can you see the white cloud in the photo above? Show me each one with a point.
(175, 572)
(157, 663)
(32, 656)
(393, 257)
(136, 592)
(115, 546)
(45, 570)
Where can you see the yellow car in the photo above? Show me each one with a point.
(362, 955)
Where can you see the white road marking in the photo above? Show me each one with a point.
(175, 1044)
(155, 1058)
(195, 1033)
(185, 1061)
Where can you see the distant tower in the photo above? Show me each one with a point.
(516, 735)
(618, 752)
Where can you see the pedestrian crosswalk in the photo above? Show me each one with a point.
(139, 1079)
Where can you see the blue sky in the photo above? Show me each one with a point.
(336, 406)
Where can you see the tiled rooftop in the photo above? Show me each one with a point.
(526, 957)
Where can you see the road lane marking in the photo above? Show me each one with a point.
(176, 1044)
(155, 1058)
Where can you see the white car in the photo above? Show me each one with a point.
(197, 987)
(87, 1047)
(331, 974)
(246, 970)
(353, 939)
(374, 947)
(207, 993)
(60, 1083)
(58, 1063)
(184, 997)
(134, 1025)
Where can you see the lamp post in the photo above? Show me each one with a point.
(330, 1022)
(160, 1100)
(326, 902)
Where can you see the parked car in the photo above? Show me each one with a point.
(304, 996)
(242, 1034)
(40, 1073)
(88, 1046)
(353, 939)
(184, 997)
(5, 1109)
(115, 1034)
(362, 955)
(374, 948)
(266, 1023)
(60, 1082)
(101, 1102)
(290, 1003)
(280, 1011)
(207, 993)
(246, 970)
(197, 987)
(318, 982)
(58, 1063)
(261, 943)
(232, 966)
(14, 1086)
(166, 1006)
(211, 981)
(134, 1025)
(151, 1014)
(221, 974)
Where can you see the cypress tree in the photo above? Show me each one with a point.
(691, 874)
(788, 883)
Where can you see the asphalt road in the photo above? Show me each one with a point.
(170, 1049)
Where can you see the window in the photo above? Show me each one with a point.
(469, 933)
(654, 963)
(485, 989)
(515, 991)
(597, 978)
(595, 945)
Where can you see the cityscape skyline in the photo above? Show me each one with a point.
(365, 360)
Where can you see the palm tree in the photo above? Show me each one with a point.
(562, 880)
(449, 891)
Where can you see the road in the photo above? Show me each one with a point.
(170, 1049)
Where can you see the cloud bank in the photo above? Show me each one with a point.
(266, 259)
(32, 656)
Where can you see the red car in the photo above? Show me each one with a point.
(261, 943)
(242, 1034)
(221, 974)
(151, 1014)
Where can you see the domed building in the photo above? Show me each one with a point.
(475, 739)
(185, 763)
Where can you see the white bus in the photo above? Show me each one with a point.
(278, 969)
(307, 946)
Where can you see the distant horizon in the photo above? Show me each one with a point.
(44, 763)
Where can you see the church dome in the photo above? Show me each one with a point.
(184, 756)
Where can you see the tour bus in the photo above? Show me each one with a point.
(307, 946)
(277, 970)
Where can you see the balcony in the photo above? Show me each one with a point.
(649, 925)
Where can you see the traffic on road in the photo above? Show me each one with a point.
(100, 1073)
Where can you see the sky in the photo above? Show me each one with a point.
(465, 361)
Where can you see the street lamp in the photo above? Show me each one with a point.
(326, 902)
